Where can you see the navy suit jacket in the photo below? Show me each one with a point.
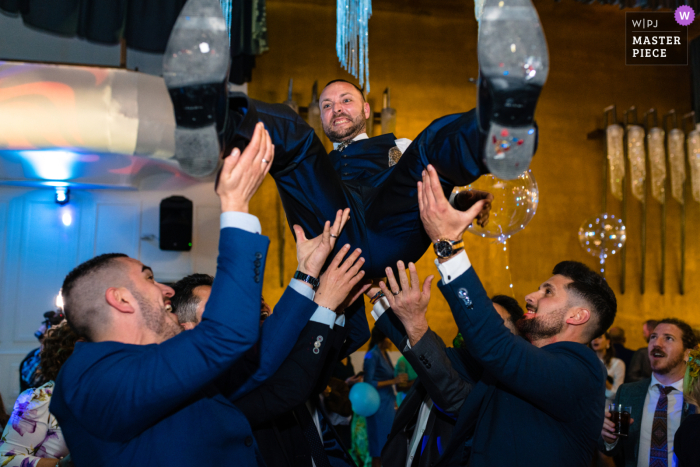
(545, 404)
(167, 404)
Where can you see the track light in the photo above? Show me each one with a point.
(62, 195)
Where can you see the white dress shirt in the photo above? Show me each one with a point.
(675, 409)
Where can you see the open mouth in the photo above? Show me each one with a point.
(168, 307)
(530, 312)
(657, 353)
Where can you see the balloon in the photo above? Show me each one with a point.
(364, 399)
(514, 204)
(602, 235)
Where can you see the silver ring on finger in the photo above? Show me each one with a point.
(334, 236)
(265, 161)
(395, 293)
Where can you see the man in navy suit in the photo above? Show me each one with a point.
(139, 392)
(541, 396)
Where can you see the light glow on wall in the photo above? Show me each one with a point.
(67, 218)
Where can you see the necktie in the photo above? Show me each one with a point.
(658, 455)
(308, 427)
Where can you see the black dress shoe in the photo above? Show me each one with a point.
(195, 70)
(513, 67)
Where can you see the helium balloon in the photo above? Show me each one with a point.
(364, 399)
(602, 235)
(514, 204)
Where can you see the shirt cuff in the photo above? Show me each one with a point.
(453, 267)
(380, 306)
(340, 321)
(305, 290)
(241, 220)
(610, 446)
(324, 315)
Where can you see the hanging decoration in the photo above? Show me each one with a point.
(351, 38)
(694, 161)
(602, 235)
(616, 159)
(227, 9)
(676, 160)
(637, 157)
(657, 161)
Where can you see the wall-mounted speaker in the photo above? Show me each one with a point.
(176, 224)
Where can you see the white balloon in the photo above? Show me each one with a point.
(513, 207)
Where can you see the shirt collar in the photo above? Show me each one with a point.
(359, 137)
(678, 385)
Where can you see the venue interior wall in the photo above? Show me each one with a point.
(426, 52)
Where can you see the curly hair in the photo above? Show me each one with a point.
(57, 347)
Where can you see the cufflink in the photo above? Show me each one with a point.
(317, 344)
(464, 296)
(316, 351)
(319, 338)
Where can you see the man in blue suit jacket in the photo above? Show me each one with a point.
(139, 392)
(541, 396)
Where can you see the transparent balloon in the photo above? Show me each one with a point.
(514, 204)
(602, 235)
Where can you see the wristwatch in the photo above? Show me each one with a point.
(307, 278)
(445, 248)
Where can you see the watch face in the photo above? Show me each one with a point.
(443, 248)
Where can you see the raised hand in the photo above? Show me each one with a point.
(409, 302)
(312, 253)
(242, 174)
(440, 219)
(340, 279)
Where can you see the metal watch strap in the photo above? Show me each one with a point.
(307, 278)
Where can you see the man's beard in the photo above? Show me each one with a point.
(156, 319)
(359, 125)
(670, 364)
(538, 328)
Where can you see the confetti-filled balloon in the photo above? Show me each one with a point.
(602, 235)
(514, 204)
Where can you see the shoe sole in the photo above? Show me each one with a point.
(514, 64)
(195, 70)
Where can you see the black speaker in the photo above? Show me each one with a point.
(176, 224)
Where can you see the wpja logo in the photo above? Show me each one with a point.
(658, 38)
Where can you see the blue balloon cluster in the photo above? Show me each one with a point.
(364, 399)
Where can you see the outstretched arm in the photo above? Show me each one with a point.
(523, 368)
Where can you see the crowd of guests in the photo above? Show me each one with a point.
(207, 372)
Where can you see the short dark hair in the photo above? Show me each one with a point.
(651, 324)
(593, 289)
(511, 305)
(346, 81)
(81, 295)
(687, 334)
(185, 302)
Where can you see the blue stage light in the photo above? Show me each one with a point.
(62, 195)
